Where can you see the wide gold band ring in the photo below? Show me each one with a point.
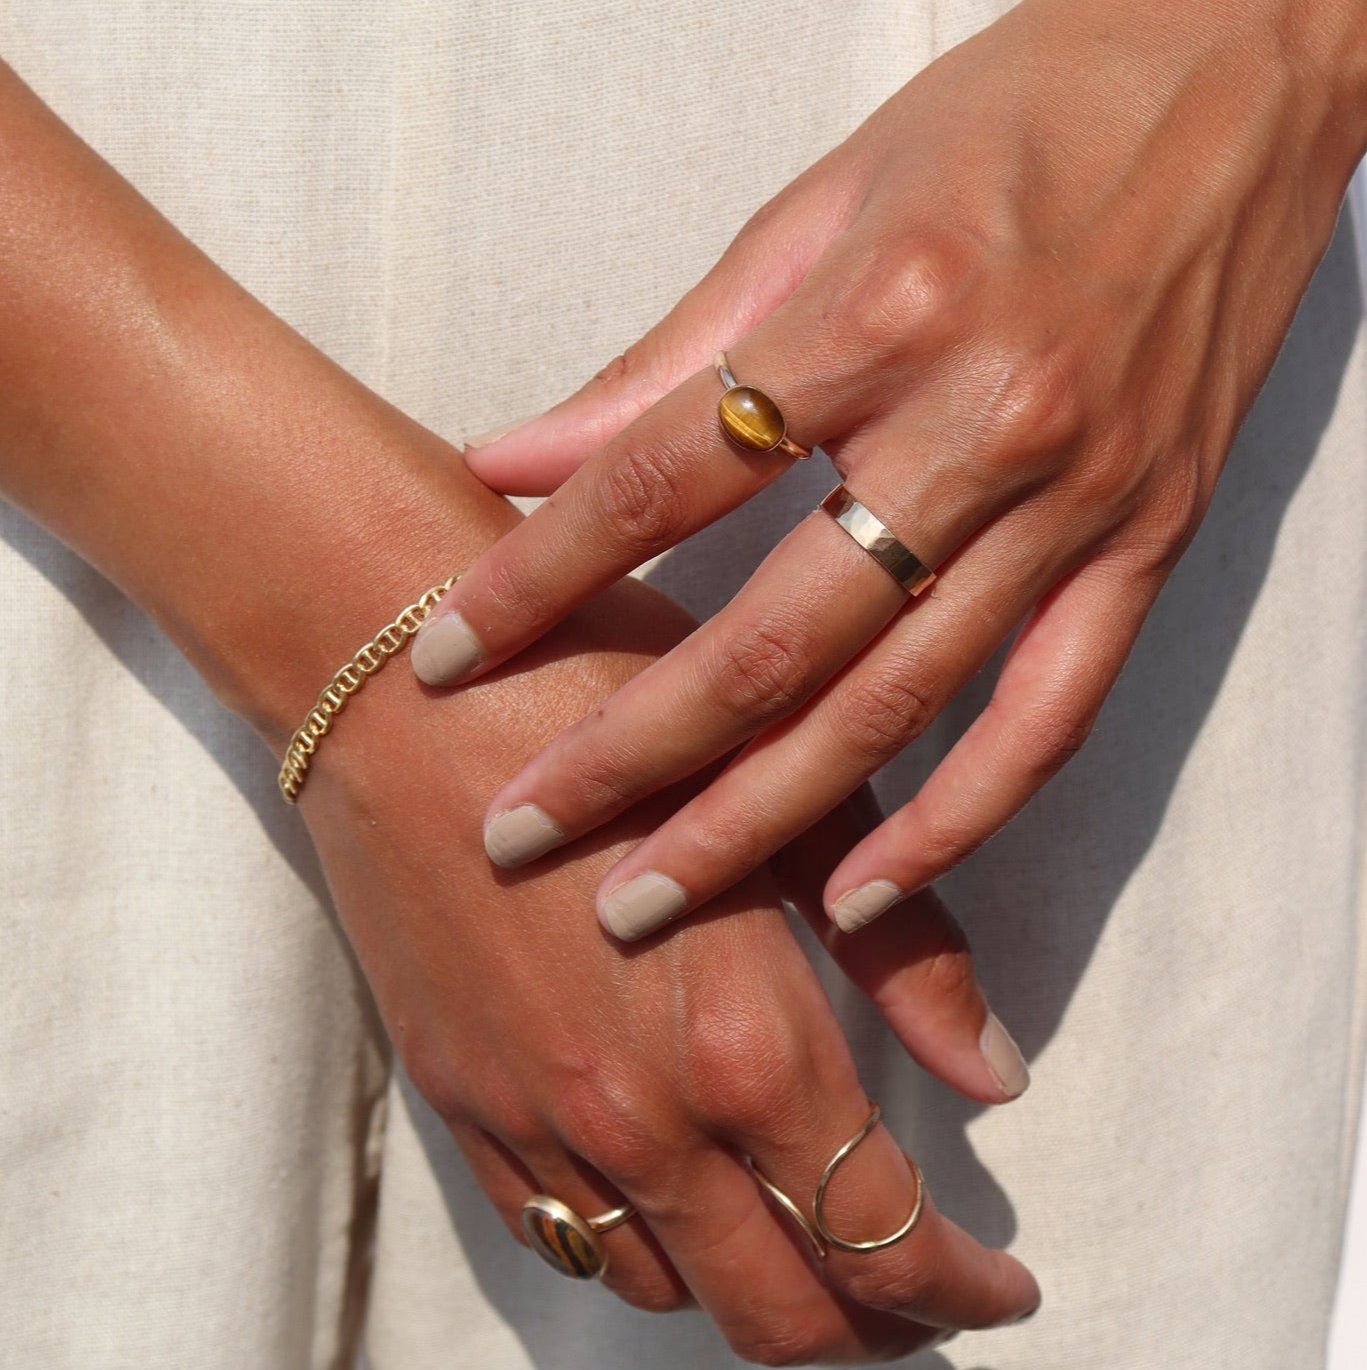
(566, 1241)
(751, 419)
(816, 1229)
(879, 541)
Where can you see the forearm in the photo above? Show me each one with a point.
(177, 435)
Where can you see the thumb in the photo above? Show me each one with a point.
(916, 966)
(761, 268)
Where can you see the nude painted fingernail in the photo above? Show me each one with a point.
(640, 906)
(445, 649)
(851, 911)
(502, 431)
(520, 835)
(1004, 1058)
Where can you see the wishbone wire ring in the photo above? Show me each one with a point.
(817, 1229)
(792, 1210)
(818, 1215)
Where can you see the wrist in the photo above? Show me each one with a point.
(1307, 61)
(268, 510)
(290, 602)
(1233, 78)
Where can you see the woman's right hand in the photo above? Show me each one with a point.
(562, 1065)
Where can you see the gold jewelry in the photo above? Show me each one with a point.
(792, 1210)
(878, 1243)
(751, 419)
(567, 1242)
(390, 639)
(878, 540)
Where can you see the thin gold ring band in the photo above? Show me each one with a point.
(568, 1242)
(818, 1213)
(750, 418)
(792, 1210)
(817, 1230)
(879, 541)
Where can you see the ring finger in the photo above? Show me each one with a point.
(934, 1271)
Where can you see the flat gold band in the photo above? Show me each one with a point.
(750, 418)
(879, 541)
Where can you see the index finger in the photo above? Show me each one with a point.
(665, 477)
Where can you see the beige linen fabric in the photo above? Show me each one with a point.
(474, 205)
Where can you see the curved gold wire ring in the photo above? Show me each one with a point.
(878, 1243)
(792, 1210)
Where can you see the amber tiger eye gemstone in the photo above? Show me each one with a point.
(751, 419)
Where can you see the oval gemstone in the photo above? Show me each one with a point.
(749, 417)
(572, 1248)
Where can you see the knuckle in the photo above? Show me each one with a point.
(882, 713)
(904, 296)
(604, 1122)
(763, 672)
(1177, 513)
(757, 229)
(775, 1346)
(733, 839)
(947, 970)
(653, 1295)
(643, 500)
(629, 384)
(740, 1067)
(1053, 740)
(1032, 398)
(516, 595)
(889, 1281)
(603, 784)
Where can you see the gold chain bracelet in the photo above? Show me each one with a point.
(390, 639)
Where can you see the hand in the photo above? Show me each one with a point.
(1024, 308)
(561, 1067)
(164, 424)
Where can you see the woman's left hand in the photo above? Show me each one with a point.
(1024, 308)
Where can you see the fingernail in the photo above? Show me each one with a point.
(1004, 1058)
(521, 834)
(851, 911)
(641, 905)
(445, 649)
(493, 435)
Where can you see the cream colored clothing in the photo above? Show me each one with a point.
(471, 205)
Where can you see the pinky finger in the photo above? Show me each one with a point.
(1056, 678)
(506, 1182)
(917, 969)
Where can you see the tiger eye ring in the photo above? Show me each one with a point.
(567, 1242)
(751, 419)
